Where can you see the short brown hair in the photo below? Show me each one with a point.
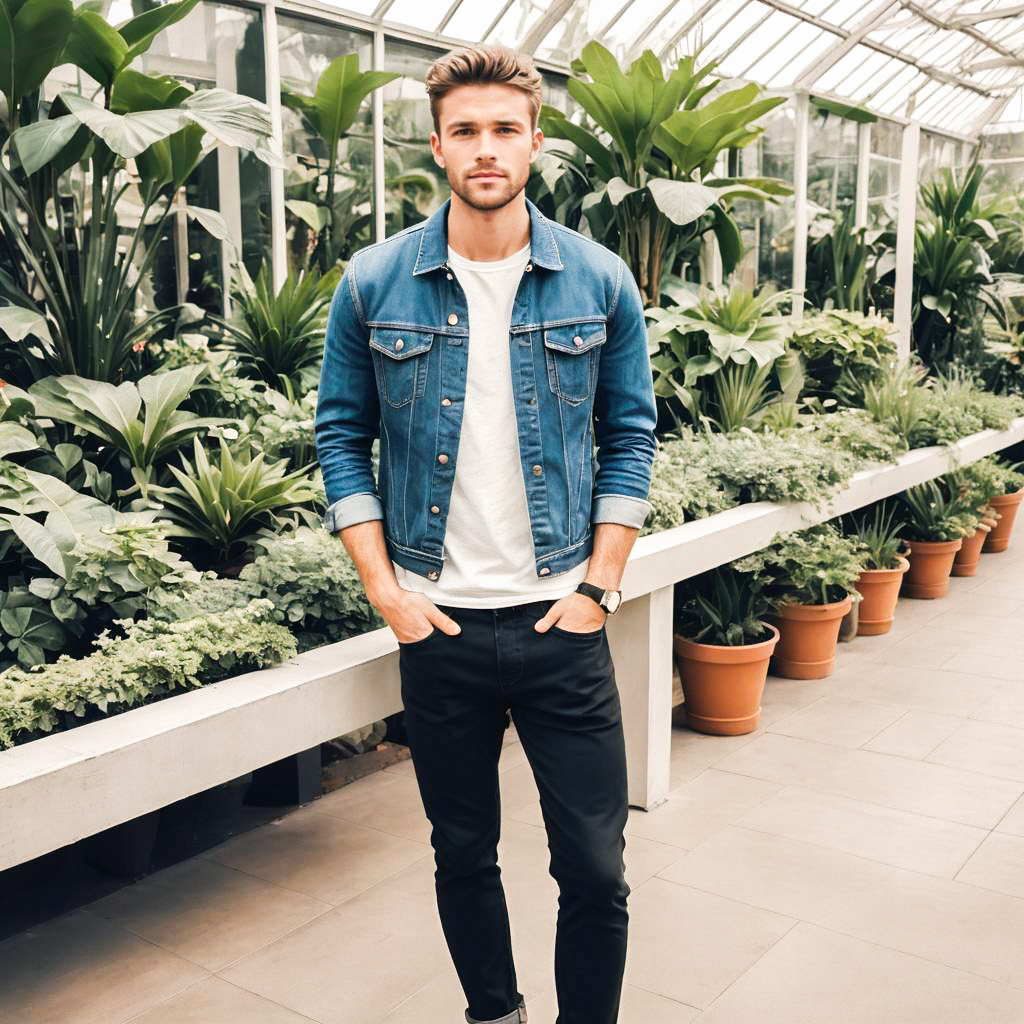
(483, 64)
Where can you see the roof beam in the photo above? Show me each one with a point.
(964, 20)
(543, 25)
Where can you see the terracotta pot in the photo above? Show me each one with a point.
(723, 685)
(930, 564)
(1007, 504)
(879, 590)
(809, 633)
(967, 558)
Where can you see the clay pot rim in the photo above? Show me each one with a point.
(938, 546)
(902, 567)
(726, 653)
(1010, 498)
(795, 610)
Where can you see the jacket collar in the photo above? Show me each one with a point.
(434, 240)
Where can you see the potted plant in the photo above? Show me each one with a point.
(884, 565)
(976, 483)
(1005, 501)
(810, 579)
(722, 646)
(934, 524)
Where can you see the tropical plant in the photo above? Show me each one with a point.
(933, 511)
(952, 269)
(816, 565)
(842, 349)
(112, 414)
(71, 277)
(279, 337)
(722, 606)
(329, 114)
(225, 504)
(648, 153)
(898, 400)
(877, 531)
(733, 338)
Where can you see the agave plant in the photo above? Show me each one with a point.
(279, 337)
(71, 274)
(648, 155)
(878, 533)
(329, 114)
(934, 511)
(225, 504)
(723, 606)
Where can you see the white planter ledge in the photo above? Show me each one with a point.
(70, 785)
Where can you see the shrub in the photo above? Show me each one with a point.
(152, 660)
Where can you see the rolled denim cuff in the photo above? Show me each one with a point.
(620, 508)
(517, 1016)
(355, 508)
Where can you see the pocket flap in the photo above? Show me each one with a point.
(400, 342)
(574, 338)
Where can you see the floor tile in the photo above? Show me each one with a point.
(839, 720)
(984, 747)
(813, 975)
(915, 735)
(997, 864)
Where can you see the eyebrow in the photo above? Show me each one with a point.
(473, 124)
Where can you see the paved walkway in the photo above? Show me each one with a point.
(857, 860)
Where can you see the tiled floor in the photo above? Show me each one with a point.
(857, 860)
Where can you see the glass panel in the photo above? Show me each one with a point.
(832, 162)
(305, 49)
(425, 14)
(781, 65)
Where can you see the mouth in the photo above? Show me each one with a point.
(487, 175)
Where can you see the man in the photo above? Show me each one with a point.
(480, 345)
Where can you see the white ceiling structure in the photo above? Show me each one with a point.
(956, 65)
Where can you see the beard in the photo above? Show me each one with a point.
(488, 194)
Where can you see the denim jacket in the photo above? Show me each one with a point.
(395, 367)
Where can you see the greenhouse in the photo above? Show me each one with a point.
(479, 481)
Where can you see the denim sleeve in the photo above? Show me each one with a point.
(347, 412)
(624, 412)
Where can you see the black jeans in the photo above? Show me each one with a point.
(460, 694)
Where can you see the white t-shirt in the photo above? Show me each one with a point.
(489, 557)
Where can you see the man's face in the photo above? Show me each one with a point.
(485, 130)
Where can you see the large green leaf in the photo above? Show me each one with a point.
(340, 92)
(19, 323)
(33, 35)
(38, 143)
(126, 134)
(682, 201)
(140, 31)
(96, 47)
(40, 543)
(16, 438)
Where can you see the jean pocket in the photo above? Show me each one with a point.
(422, 640)
(592, 635)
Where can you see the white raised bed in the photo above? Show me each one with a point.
(62, 788)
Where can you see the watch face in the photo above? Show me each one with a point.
(614, 597)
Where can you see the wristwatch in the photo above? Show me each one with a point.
(609, 600)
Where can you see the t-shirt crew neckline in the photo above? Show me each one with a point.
(506, 264)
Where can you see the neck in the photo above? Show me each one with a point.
(487, 235)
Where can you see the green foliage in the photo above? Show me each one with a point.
(898, 401)
(224, 504)
(856, 432)
(279, 337)
(153, 660)
(936, 510)
(722, 606)
(846, 264)
(877, 530)
(842, 350)
(646, 153)
(112, 414)
(717, 352)
(330, 114)
(817, 565)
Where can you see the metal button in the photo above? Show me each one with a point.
(442, 457)
(531, 401)
(537, 471)
(453, 318)
(545, 571)
(400, 344)
(529, 266)
(446, 401)
(432, 575)
(434, 509)
(577, 340)
(449, 277)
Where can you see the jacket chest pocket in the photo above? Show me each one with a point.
(571, 353)
(400, 362)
